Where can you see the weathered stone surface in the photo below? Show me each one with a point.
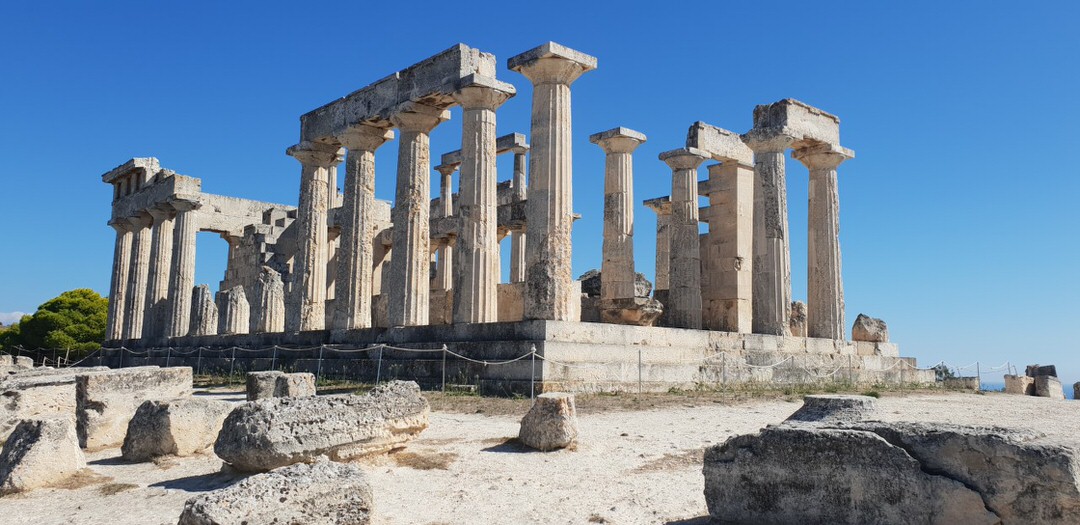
(176, 427)
(798, 319)
(23, 362)
(273, 383)
(321, 493)
(269, 315)
(867, 328)
(1023, 385)
(1041, 370)
(637, 311)
(38, 453)
(834, 409)
(235, 311)
(106, 400)
(270, 433)
(204, 312)
(37, 393)
(551, 423)
(590, 284)
(1049, 386)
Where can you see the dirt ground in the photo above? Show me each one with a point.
(638, 461)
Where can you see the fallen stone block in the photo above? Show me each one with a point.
(321, 493)
(24, 362)
(834, 409)
(1049, 386)
(40, 452)
(551, 423)
(37, 393)
(1022, 385)
(177, 427)
(265, 385)
(1041, 370)
(867, 328)
(271, 433)
(106, 401)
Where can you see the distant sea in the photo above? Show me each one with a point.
(997, 387)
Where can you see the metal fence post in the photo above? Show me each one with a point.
(198, 363)
(273, 360)
(122, 357)
(532, 374)
(378, 367)
(639, 370)
(232, 363)
(168, 356)
(978, 377)
(444, 349)
(318, 369)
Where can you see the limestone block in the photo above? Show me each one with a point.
(590, 284)
(1049, 386)
(270, 433)
(865, 348)
(887, 349)
(322, 493)
(23, 362)
(107, 400)
(797, 120)
(511, 302)
(638, 311)
(37, 393)
(177, 427)
(798, 319)
(834, 409)
(7, 360)
(867, 328)
(1022, 385)
(235, 311)
(38, 453)
(204, 312)
(1041, 370)
(265, 385)
(551, 423)
(817, 346)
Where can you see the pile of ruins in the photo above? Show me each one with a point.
(345, 268)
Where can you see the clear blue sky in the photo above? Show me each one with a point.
(959, 223)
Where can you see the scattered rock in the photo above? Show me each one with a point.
(38, 453)
(835, 409)
(321, 493)
(551, 423)
(177, 427)
(270, 433)
(273, 383)
(1041, 370)
(23, 362)
(798, 319)
(1022, 385)
(867, 328)
(637, 311)
(1049, 386)
(106, 400)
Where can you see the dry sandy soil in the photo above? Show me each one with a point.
(638, 461)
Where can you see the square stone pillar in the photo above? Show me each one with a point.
(549, 280)
(727, 259)
(684, 295)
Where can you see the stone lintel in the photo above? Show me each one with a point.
(509, 142)
(722, 145)
(660, 205)
(800, 121)
(619, 132)
(551, 50)
(141, 165)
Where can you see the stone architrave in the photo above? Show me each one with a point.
(549, 278)
(357, 219)
(270, 292)
(236, 312)
(140, 262)
(307, 299)
(204, 312)
(617, 277)
(825, 286)
(157, 285)
(182, 274)
(444, 274)
(476, 261)
(114, 328)
(410, 268)
(684, 295)
(517, 237)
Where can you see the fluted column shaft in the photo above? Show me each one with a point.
(408, 291)
(476, 263)
(517, 238)
(617, 276)
(355, 252)
(114, 328)
(308, 293)
(182, 274)
(772, 253)
(684, 296)
(158, 277)
(137, 276)
(444, 274)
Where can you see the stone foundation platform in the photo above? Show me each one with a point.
(570, 356)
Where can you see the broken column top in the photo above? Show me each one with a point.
(549, 50)
(508, 142)
(721, 145)
(617, 133)
(800, 121)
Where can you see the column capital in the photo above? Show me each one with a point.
(161, 212)
(141, 220)
(120, 224)
(365, 137)
(765, 141)
(422, 118)
(552, 63)
(316, 154)
(446, 169)
(184, 204)
(520, 150)
(481, 92)
(684, 158)
(823, 156)
(618, 140)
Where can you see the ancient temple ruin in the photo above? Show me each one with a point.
(348, 270)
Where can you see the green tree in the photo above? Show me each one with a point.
(75, 320)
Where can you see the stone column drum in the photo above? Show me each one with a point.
(160, 265)
(617, 275)
(684, 295)
(355, 257)
(409, 287)
(549, 276)
(517, 237)
(307, 297)
(140, 262)
(114, 327)
(825, 287)
(476, 263)
(772, 253)
(182, 274)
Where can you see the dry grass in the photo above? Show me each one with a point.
(674, 461)
(109, 489)
(424, 460)
(82, 478)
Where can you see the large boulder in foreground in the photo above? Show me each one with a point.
(37, 393)
(827, 408)
(40, 452)
(271, 433)
(106, 401)
(872, 472)
(274, 383)
(177, 427)
(551, 423)
(322, 493)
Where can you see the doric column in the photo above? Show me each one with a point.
(114, 328)
(140, 262)
(617, 267)
(825, 285)
(444, 274)
(727, 260)
(234, 312)
(182, 274)
(517, 237)
(204, 312)
(160, 265)
(549, 212)
(662, 207)
(355, 257)
(772, 253)
(307, 296)
(270, 293)
(476, 263)
(684, 296)
(409, 286)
